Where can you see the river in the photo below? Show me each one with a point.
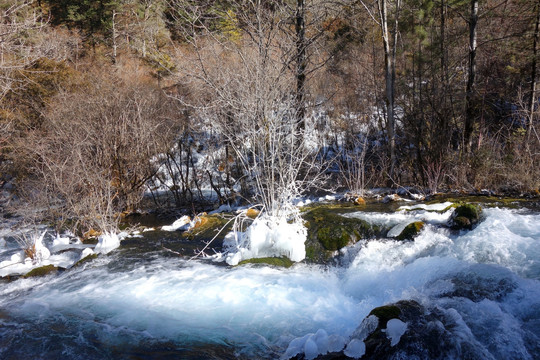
(151, 304)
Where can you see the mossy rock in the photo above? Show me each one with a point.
(411, 231)
(329, 231)
(274, 261)
(207, 227)
(85, 259)
(466, 216)
(42, 271)
(335, 237)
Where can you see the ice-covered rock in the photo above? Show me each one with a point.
(86, 252)
(313, 345)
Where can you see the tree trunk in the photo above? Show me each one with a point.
(532, 96)
(300, 106)
(389, 75)
(469, 111)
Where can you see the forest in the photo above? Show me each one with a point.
(192, 103)
(269, 179)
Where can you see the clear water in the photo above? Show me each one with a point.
(146, 305)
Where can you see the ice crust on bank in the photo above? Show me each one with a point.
(266, 237)
(57, 251)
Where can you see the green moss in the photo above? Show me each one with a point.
(461, 222)
(466, 216)
(411, 230)
(333, 237)
(41, 271)
(470, 211)
(385, 313)
(85, 260)
(208, 227)
(274, 261)
(328, 230)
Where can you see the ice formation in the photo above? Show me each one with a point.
(41, 251)
(355, 349)
(395, 328)
(107, 242)
(267, 238)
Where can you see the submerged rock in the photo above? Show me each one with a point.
(408, 330)
(85, 259)
(274, 261)
(411, 231)
(42, 271)
(466, 216)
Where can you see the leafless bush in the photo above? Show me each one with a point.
(241, 82)
(92, 158)
(434, 173)
(353, 166)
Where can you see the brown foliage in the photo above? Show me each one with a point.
(93, 154)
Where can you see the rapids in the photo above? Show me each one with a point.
(126, 304)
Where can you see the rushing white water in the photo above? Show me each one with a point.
(486, 282)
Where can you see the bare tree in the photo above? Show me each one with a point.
(471, 75)
(243, 85)
(16, 17)
(387, 18)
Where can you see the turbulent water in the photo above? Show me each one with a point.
(486, 283)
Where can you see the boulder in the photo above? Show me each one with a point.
(411, 231)
(466, 217)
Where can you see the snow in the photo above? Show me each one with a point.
(355, 349)
(222, 208)
(180, 224)
(267, 237)
(395, 328)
